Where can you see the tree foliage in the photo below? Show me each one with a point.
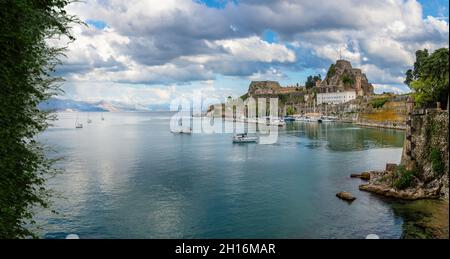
(437, 164)
(378, 102)
(347, 80)
(290, 110)
(429, 78)
(331, 72)
(404, 178)
(413, 74)
(26, 67)
(311, 81)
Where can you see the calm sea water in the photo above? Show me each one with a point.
(129, 177)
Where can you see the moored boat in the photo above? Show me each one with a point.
(244, 138)
(289, 118)
(182, 131)
(328, 119)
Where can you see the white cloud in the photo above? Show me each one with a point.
(166, 43)
(269, 74)
(380, 75)
(380, 88)
(255, 49)
(333, 52)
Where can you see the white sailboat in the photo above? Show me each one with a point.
(78, 125)
(88, 119)
(181, 130)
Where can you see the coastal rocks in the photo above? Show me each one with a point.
(408, 194)
(390, 167)
(423, 171)
(363, 176)
(381, 183)
(346, 196)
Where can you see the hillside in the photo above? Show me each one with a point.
(56, 104)
(343, 77)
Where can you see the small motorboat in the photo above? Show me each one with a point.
(328, 119)
(279, 123)
(275, 122)
(289, 118)
(314, 119)
(244, 138)
(182, 131)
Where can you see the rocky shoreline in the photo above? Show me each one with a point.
(374, 125)
(381, 125)
(424, 211)
(381, 183)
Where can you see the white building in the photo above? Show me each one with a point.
(336, 97)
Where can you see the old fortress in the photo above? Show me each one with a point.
(343, 83)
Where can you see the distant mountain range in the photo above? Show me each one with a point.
(56, 104)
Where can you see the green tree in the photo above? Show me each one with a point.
(411, 75)
(429, 79)
(311, 81)
(26, 67)
(347, 80)
(331, 72)
(290, 110)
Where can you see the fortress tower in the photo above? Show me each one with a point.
(358, 88)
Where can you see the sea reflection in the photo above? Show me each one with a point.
(345, 137)
(130, 177)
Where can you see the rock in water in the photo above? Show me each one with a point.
(345, 196)
(365, 176)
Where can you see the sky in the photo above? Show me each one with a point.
(151, 51)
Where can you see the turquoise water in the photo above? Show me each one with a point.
(129, 177)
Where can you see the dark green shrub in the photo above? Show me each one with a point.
(436, 162)
(347, 80)
(290, 110)
(244, 97)
(379, 102)
(404, 178)
(331, 71)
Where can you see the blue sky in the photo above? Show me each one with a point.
(436, 8)
(96, 24)
(148, 51)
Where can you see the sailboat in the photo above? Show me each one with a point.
(103, 117)
(77, 124)
(180, 128)
(88, 119)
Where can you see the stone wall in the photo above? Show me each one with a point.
(263, 87)
(391, 114)
(427, 130)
